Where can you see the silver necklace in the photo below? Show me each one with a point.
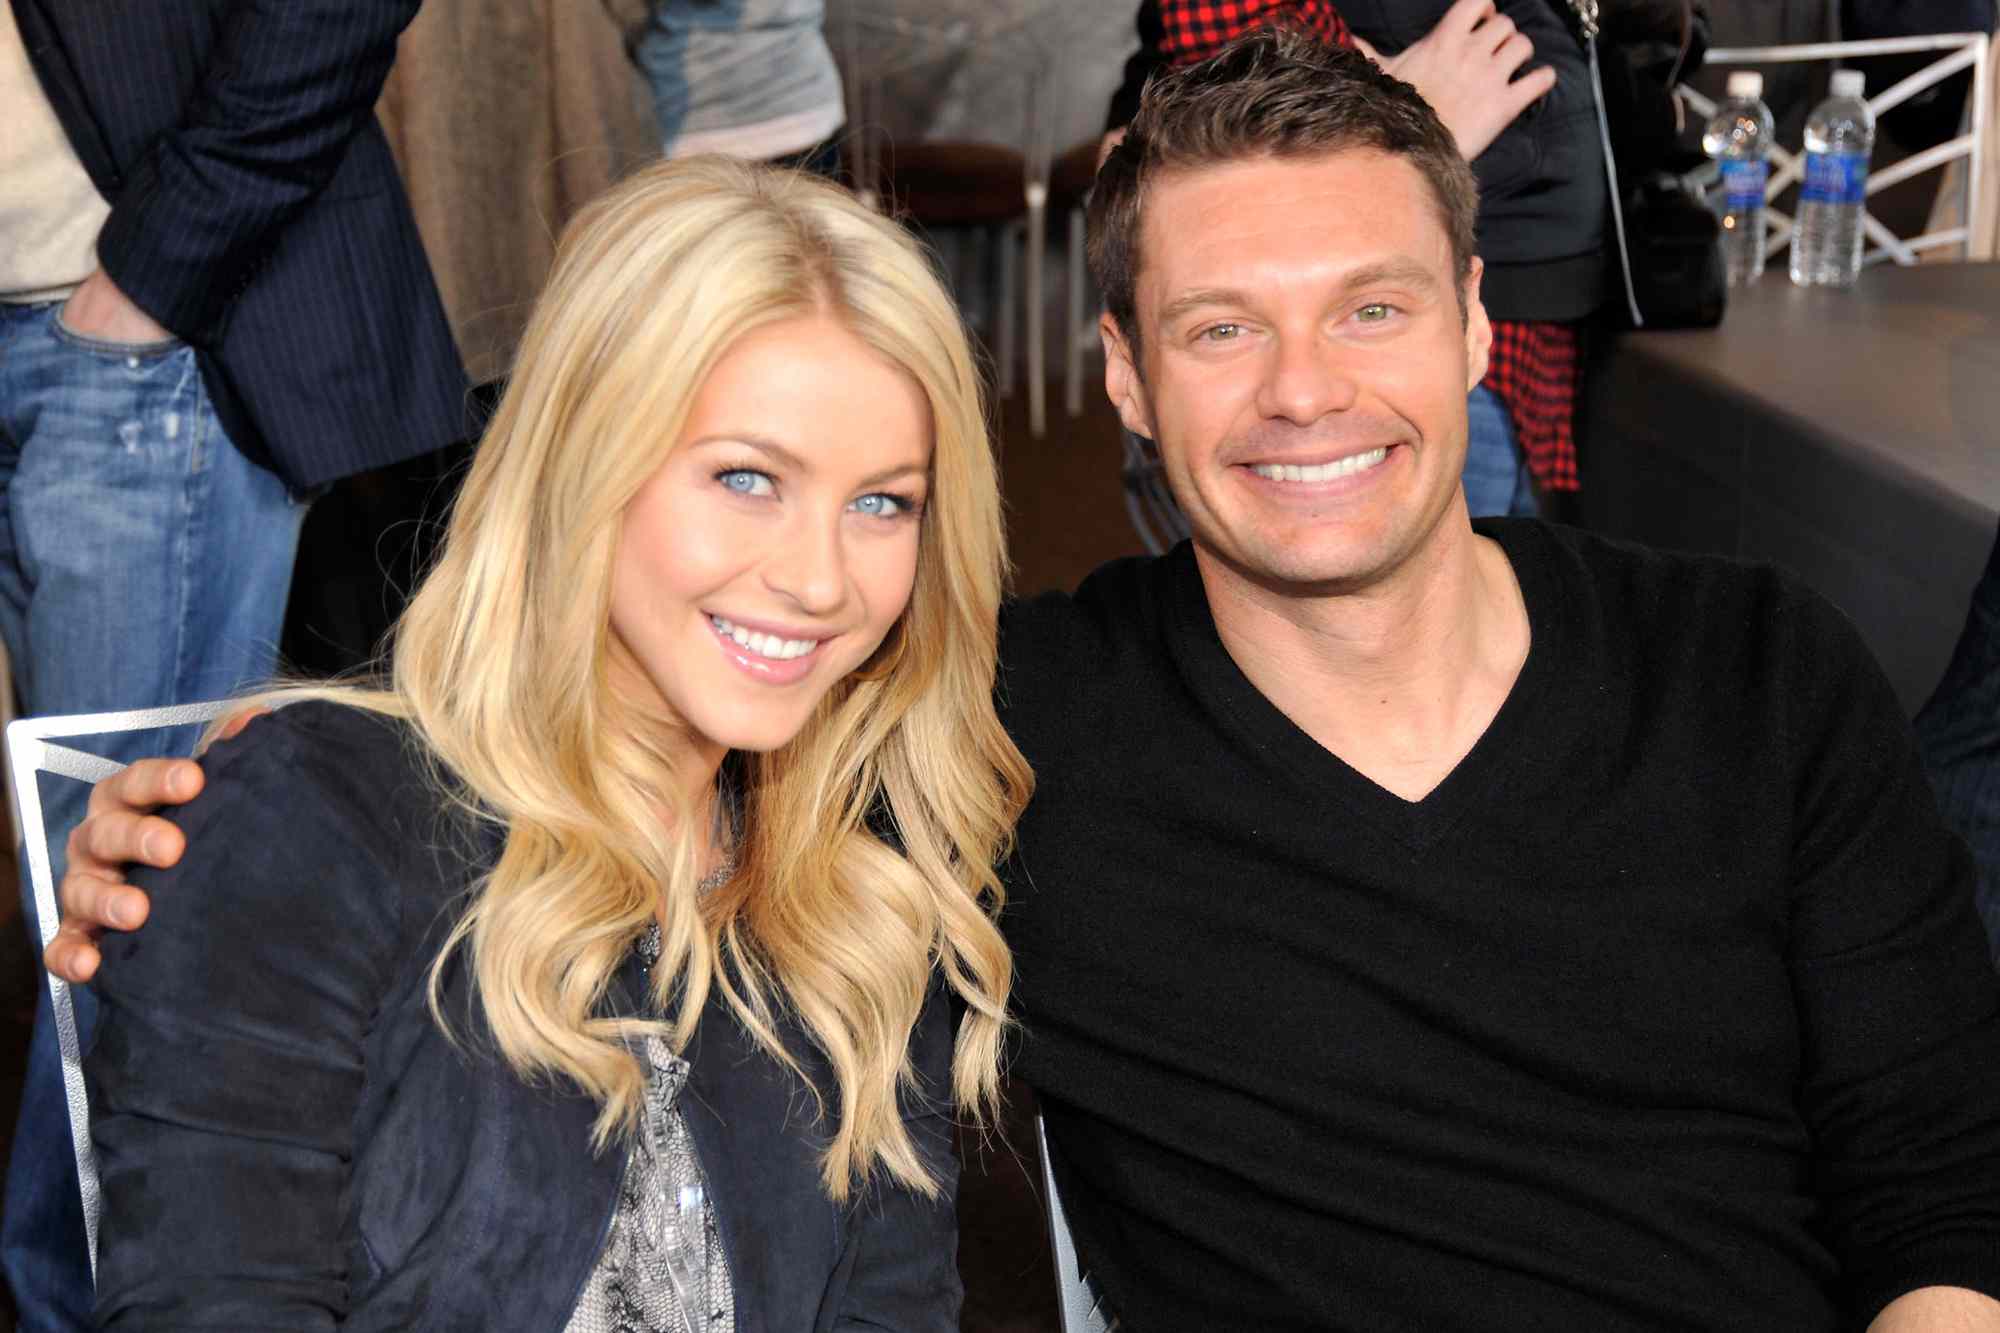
(649, 943)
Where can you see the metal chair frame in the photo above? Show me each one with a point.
(31, 751)
(1045, 59)
(1081, 1308)
(1961, 51)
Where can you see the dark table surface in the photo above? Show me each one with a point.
(1850, 436)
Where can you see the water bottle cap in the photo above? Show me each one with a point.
(1849, 82)
(1746, 83)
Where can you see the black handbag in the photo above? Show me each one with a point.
(1672, 240)
(1675, 243)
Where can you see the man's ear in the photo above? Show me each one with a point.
(1478, 328)
(1122, 381)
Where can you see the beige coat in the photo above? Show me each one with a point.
(506, 116)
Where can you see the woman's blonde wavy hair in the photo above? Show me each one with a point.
(500, 664)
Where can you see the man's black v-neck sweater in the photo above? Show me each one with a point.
(1668, 1008)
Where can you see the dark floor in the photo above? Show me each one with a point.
(1066, 517)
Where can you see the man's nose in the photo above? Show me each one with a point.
(1306, 378)
(809, 566)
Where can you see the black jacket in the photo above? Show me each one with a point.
(256, 213)
(1543, 189)
(288, 1140)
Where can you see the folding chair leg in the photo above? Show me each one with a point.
(1003, 305)
(1038, 244)
(1077, 334)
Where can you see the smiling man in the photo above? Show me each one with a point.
(1422, 925)
(1432, 925)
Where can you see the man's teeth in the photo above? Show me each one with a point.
(1341, 467)
(764, 645)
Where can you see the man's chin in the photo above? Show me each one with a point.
(1318, 566)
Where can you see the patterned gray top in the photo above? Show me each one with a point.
(663, 1245)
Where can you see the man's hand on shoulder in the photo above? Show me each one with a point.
(121, 830)
(98, 309)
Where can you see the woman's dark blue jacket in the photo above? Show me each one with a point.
(287, 1139)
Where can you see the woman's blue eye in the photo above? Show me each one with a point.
(745, 481)
(882, 505)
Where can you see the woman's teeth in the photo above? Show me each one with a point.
(764, 645)
(1340, 467)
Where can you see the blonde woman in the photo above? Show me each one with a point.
(618, 964)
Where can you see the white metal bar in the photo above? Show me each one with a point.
(1791, 168)
(24, 755)
(1879, 46)
(1885, 238)
(1982, 76)
(131, 719)
(1918, 163)
(1930, 240)
(1936, 72)
(65, 762)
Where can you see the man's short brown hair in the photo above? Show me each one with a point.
(1274, 92)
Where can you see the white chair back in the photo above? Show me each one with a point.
(1956, 51)
(31, 751)
(1082, 1309)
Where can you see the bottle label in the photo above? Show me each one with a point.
(1835, 178)
(1743, 183)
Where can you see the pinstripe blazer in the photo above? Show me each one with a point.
(256, 213)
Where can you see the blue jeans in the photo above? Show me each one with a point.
(1496, 476)
(143, 561)
(1958, 731)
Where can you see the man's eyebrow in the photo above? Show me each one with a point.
(1396, 272)
(1399, 271)
(1198, 299)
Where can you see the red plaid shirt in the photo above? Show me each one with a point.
(1533, 365)
(1192, 29)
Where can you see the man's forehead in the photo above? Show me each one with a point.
(1274, 219)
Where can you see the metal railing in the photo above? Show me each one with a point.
(1961, 51)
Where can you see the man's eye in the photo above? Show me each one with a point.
(881, 504)
(745, 481)
(1375, 312)
(1220, 333)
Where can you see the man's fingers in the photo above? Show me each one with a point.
(104, 842)
(148, 783)
(1530, 88)
(1515, 52)
(72, 954)
(1465, 16)
(232, 726)
(91, 903)
(1495, 33)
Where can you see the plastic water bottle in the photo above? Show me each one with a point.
(1739, 139)
(1840, 135)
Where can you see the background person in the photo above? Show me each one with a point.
(754, 79)
(212, 303)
